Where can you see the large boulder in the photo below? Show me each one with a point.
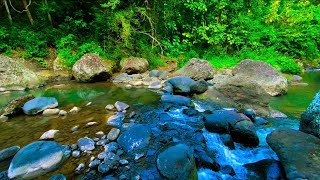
(298, 152)
(15, 76)
(265, 169)
(39, 104)
(36, 159)
(185, 85)
(90, 68)
(244, 132)
(264, 75)
(310, 120)
(134, 65)
(197, 69)
(177, 162)
(135, 138)
(14, 107)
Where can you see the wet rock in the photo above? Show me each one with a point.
(49, 134)
(113, 134)
(74, 147)
(111, 147)
(109, 107)
(90, 68)
(74, 110)
(217, 121)
(39, 104)
(14, 107)
(260, 121)
(298, 152)
(123, 162)
(80, 168)
(121, 106)
(8, 152)
(112, 160)
(63, 113)
(94, 164)
(277, 114)
(137, 157)
(120, 152)
(176, 99)
(86, 144)
(154, 73)
(244, 132)
(199, 87)
(123, 177)
(100, 134)
(101, 155)
(89, 124)
(123, 77)
(135, 138)
(155, 85)
(179, 84)
(177, 162)
(76, 154)
(4, 176)
(50, 112)
(58, 177)
(250, 113)
(102, 142)
(296, 78)
(75, 128)
(227, 141)
(37, 159)
(3, 118)
(103, 168)
(227, 170)
(310, 120)
(204, 161)
(197, 69)
(263, 74)
(115, 120)
(265, 169)
(134, 65)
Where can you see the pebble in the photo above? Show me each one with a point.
(110, 107)
(124, 162)
(89, 103)
(75, 128)
(136, 83)
(101, 155)
(76, 154)
(113, 134)
(74, 146)
(49, 134)
(80, 168)
(121, 106)
(63, 113)
(137, 177)
(120, 152)
(103, 168)
(50, 112)
(111, 147)
(132, 114)
(95, 163)
(138, 157)
(102, 142)
(100, 134)
(155, 85)
(74, 110)
(3, 118)
(89, 124)
(86, 144)
(96, 139)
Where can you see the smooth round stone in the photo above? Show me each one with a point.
(100, 134)
(86, 144)
(74, 110)
(101, 155)
(121, 106)
(103, 168)
(39, 104)
(63, 113)
(74, 146)
(50, 112)
(109, 107)
(80, 168)
(124, 162)
(76, 154)
(102, 142)
(111, 147)
(8, 152)
(51, 134)
(94, 164)
(89, 124)
(113, 134)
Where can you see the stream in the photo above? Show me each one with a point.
(22, 130)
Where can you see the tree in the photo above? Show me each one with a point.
(8, 10)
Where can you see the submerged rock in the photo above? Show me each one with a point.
(310, 120)
(177, 162)
(244, 132)
(135, 138)
(90, 68)
(8, 152)
(265, 169)
(86, 144)
(37, 159)
(14, 107)
(115, 120)
(197, 69)
(134, 65)
(39, 104)
(298, 152)
(176, 99)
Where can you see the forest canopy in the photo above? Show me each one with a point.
(224, 32)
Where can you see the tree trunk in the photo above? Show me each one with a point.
(8, 11)
(28, 12)
(49, 15)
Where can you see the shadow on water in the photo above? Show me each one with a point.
(299, 97)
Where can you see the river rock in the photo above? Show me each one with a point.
(244, 132)
(113, 134)
(199, 87)
(74, 110)
(310, 120)
(135, 138)
(155, 85)
(90, 68)
(296, 78)
(265, 169)
(76, 154)
(177, 162)
(3, 118)
(121, 106)
(8, 152)
(16, 76)
(63, 113)
(264, 75)
(112, 160)
(14, 107)
(49, 134)
(154, 73)
(197, 69)
(86, 144)
(179, 84)
(103, 168)
(277, 114)
(176, 99)
(115, 120)
(39, 104)
(37, 158)
(51, 112)
(58, 177)
(134, 65)
(109, 107)
(298, 153)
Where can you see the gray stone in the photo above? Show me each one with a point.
(180, 84)
(111, 147)
(50, 112)
(154, 73)
(113, 134)
(155, 85)
(100, 134)
(8, 152)
(14, 107)
(94, 164)
(37, 159)
(244, 132)
(197, 69)
(39, 104)
(76, 154)
(310, 120)
(277, 114)
(199, 87)
(137, 157)
(80, 168)
(176, 99)
(112, 160)
(121, 106)
(296, 78)
(63, 113)
(124, 162)
(133, 65)
(109, 107)
(74, 110)
(86, 144)
(103, 168)
(49, 134)
(115, 120)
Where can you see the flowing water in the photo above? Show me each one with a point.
(23, 130)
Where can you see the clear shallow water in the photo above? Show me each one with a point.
(299, 97)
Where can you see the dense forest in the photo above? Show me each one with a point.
(284, 33)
